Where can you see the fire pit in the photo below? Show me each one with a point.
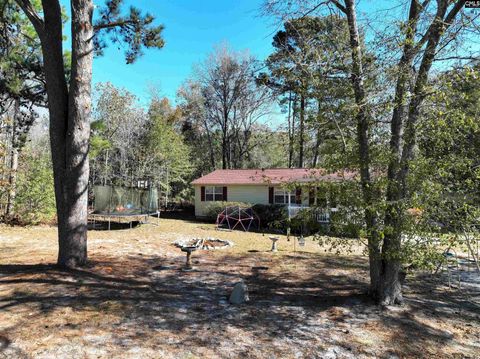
(203, 243)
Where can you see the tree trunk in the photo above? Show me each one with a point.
(12, 182)
(291, 130)
(301, 141)
(316, 150)
(211, 150)
(398, 170)
(318, 142)
(225, 139)
(12, 178)
(73, 247)
(105, 172)
(224, 151)
(69, 123)
(57, 93)
(69, 111)
(390, 286)
(438, 28)
(374, 241)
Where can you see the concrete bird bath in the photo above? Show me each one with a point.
(274, 243)
(188, 263)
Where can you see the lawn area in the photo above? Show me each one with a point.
(132, 301)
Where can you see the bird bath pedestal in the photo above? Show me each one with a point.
(274, 243)
(188, 250)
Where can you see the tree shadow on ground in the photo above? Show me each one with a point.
(294, 298)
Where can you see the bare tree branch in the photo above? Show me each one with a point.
(339, 6)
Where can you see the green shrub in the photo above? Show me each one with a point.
(275, 217)
(214, 208)
(272, 216)
(346, 223)
(35, 200)
(305, 223)
(342, 224)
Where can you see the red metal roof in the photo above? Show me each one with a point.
(270, 176)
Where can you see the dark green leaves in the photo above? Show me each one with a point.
(134, 29)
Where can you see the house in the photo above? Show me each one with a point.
(261, 186)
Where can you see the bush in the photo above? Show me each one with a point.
(275, 217)
(305, 223)
(35, 200)
(272, 216)
(213, 209)
(341, 225)
(187, 207)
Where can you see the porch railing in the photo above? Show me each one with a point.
(321, 216)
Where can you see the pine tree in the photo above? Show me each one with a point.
(69, 99)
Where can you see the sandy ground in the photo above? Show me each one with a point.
(133, 301)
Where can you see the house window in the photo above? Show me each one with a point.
(213, 193)
(281, 196)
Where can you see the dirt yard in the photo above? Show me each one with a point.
(133, 301)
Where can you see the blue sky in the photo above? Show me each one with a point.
(192, 29)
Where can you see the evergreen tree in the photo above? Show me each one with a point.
(69, 100)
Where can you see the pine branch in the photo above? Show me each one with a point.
(32, 15)
(113, 24)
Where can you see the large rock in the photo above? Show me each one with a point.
(239, 294)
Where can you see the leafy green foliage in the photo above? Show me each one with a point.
(311, 62)
(21, 72)
(116, 133)
(272, 216)
(449, 154)
(166, 149)
(35, 200)
(128, 144)
(213, 209)
(98, 144)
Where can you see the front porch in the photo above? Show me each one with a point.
(321, 215)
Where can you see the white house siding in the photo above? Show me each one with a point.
(199, 205)
(254, 194)
(249, 194)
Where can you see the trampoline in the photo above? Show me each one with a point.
(123, 204)
(234, 216)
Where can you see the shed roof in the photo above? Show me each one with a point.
(271, 176)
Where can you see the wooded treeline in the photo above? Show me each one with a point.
(295, 109)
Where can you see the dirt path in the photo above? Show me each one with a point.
(133, 301)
